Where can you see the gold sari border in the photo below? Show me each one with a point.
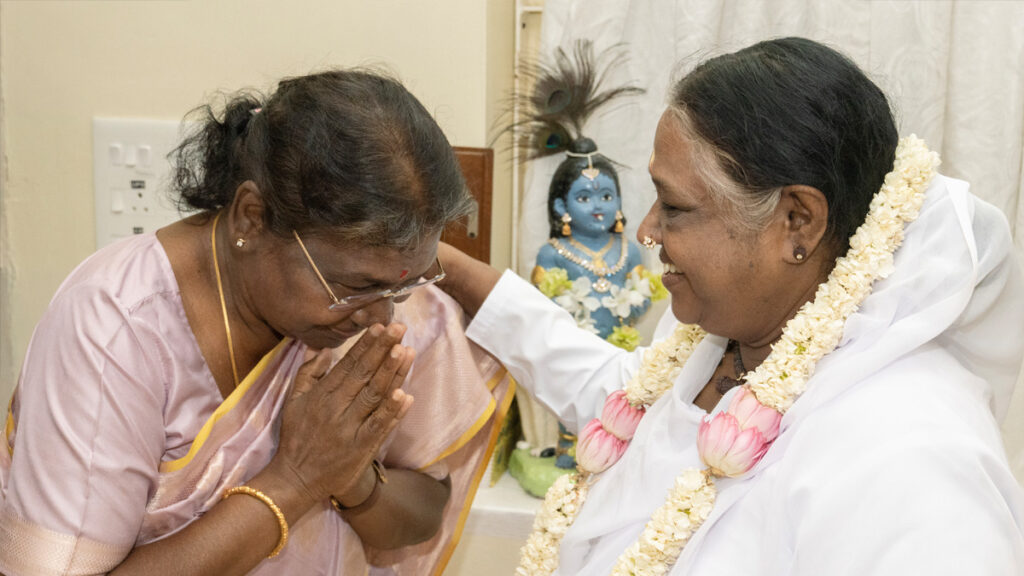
(9, 427)
(225, 407)
(32, 550)
(472, 430)
(499, 419)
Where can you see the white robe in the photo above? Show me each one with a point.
(890, 464)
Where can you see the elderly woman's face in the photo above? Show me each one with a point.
(296, 303)
(720, 275)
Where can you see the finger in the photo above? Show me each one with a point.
(347, 363)
(406, 399)
(384, 419)
(362, 366)
(403, 371)
(380, 386)
(311, 371)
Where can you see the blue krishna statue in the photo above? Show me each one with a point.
(588, 266)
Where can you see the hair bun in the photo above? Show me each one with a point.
(582, 146)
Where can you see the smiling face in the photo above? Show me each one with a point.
(293, 301)
(727, 279)
(592, 204)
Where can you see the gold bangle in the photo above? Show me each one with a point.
(273, 508)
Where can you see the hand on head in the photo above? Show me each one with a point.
(334, 422)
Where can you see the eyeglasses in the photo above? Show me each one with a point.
(357, 300)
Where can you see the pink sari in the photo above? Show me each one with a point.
(462, 395)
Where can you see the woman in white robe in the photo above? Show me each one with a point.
(891, 462)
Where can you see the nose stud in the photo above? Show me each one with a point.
(648, 242)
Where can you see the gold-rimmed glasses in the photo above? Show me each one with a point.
(357, 300)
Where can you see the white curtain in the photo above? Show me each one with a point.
(954, 72)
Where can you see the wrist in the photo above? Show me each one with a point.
(287, 488)
(365, 493)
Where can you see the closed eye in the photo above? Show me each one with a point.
(670, 209)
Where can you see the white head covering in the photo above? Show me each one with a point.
(956, 284)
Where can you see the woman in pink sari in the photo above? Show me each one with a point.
(184, 406)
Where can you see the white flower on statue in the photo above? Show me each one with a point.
(638, 283)
(578, 299)
(622, 300)
(585, 322)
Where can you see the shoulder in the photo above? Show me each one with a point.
(118, 307)
(916, 433)
(634, 258)
(130, 271)
(547, 256)
(902, 466)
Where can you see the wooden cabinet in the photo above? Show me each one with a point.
(472, 235)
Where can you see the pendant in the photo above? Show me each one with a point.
(602, 285)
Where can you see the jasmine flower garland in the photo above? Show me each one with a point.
(757, 408)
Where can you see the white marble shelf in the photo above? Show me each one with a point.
(503, 511)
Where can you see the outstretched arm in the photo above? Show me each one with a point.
(468, 280)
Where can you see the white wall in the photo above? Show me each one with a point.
(64, 62)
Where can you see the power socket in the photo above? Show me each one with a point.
(131, 176)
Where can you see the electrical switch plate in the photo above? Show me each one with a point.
(131, 176)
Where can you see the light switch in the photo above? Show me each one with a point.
(117, 201)
(114, 151)
(130, 156)
(145, 155)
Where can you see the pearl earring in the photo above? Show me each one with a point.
(799, 253)
(240, 242)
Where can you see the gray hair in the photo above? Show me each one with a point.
(746, 207)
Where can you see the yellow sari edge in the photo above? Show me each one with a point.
(9, 426)
(472, 430)
(225, 407)
(485, 463)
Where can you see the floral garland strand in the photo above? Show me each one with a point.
(735, 440)
(662, 362)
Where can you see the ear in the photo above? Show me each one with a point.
(806, 219)
(559, 205)
(246, 213)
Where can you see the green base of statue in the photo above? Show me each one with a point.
(534, 474)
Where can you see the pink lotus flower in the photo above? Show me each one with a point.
(727, 449)
(619, 417)
(750, 413)
(598, 449)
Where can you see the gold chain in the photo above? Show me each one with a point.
(596, 257)
(220, 292)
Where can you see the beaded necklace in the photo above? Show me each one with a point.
(602, 284)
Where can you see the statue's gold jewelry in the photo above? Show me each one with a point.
(596, 258)
(566, 230)
(602, 284)
(618, 222)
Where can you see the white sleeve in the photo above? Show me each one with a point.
(568, 369)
